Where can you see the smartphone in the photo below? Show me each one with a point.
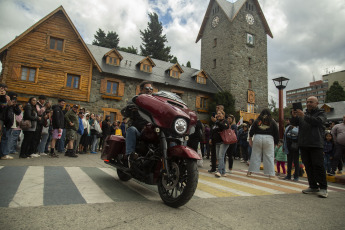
(297, 105)
(214, 114)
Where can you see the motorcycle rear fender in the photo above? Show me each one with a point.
(183, 152)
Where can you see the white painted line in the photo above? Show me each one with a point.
(1, 167)
(133, 185)
(87, 188)
(224, 188)
(269, 190)
(30, 190)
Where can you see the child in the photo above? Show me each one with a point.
(280, 157)
(328, 151)
(244, 143)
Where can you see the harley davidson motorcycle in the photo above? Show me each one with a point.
(163, 159)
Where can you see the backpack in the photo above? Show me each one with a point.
(292, 133)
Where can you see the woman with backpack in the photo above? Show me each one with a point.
(292, 151)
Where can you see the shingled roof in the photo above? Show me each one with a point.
(128, 68)
(337, 110)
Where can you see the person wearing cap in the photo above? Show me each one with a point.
(72, 126)
(58, 121)
(80, 132)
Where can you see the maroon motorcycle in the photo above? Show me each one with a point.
(163, 159)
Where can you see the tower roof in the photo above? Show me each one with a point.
(231, 10)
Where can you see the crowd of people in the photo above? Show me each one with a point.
(39, 128)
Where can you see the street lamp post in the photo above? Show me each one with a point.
(281, 83)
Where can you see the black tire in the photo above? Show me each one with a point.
(123, 176)
(185, 187)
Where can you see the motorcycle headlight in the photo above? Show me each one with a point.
(180, 126)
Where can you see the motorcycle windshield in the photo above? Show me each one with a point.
(171, 96)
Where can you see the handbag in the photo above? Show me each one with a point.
(228, 136)
(25, 124)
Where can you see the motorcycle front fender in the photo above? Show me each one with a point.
(183, 152)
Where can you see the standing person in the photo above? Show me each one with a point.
(41, 108)
(207, 140)
(195, 138)
(221, 124)
(45, 133)
(123, 126)
(3, 104)
(30, 113)
(265, 130)
(280, 158)
(212, 133)
(310, 141)
(137, 122)
(80, 132)
(105, 130)
(328, 151)
(292, 150)
(113, 128)
(231, 151)
(84, 138)
(250, 123)
(61, 143)
(338, 132)
(16, 131)
(11, 112)
(242, 139)
(94, 133)
(58, 121)
(71, 125)
(118, 130)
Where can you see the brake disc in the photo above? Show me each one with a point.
(170, 181)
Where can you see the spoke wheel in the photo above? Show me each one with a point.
(178, 188)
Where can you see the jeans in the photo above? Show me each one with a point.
(61, 142)
(221, 150)
(94, 139)
(13, 136)
(312, 159)
(263, 145)
(249, 152)
(131, 139)
(42, 144)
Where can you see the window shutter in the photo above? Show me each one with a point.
(16, 72)
(103, 88)
(197, 103)
(121, 89)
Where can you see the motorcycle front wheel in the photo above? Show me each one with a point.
(178, 188)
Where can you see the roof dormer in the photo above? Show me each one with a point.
(146, 65)
(200, 76)
(175, 71)
(113, 57)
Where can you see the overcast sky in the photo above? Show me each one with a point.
(309, 35)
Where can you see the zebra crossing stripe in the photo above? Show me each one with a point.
(218, 191)
(1, 167)
(30, 190)
(201, 193)
(134, 185)
(223, 187)
(87, 187)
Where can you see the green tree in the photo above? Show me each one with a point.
(224, 98)
(335, 93)
(111, 40)
(153, 40)
(129, 49)
(174, 60)
(188, 64)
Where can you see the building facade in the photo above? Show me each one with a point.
(234, 50)
(317, 89)
(336, 76)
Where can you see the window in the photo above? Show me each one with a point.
(175, 74)
(146, 68)
(28, 74)
(201, 80)
(112, 87)
(203, 103)
(73, 81)
(56, 43)
(250, 39)
(112, 61)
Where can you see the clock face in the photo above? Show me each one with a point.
(250, 19)
(215, 21)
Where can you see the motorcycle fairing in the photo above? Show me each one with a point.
(183, 152)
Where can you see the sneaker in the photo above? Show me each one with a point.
(217, 174)
(323, 193)
(243, 161)
(230, 171)
(295, 179)
(53, 155)
(6, 157)
(211, 170)
(287, 178)
(310, 190)
(35, 155)
(43, 154)
(224, 175)
(331, 173)
(93, 152)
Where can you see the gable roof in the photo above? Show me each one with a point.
(337, 110)
(147, 58)
(60, 8)
(115, 51)
(128, 68)
(198, 72)
(231, 10)
(178, 66)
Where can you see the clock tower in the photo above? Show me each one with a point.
(234, 50)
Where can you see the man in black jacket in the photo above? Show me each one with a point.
(137, 122)
(310, 140)
(105, 131)
(58, 121)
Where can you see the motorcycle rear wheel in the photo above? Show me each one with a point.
(185, 185)
(123, 176)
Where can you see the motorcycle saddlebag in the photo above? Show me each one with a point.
(113, 146)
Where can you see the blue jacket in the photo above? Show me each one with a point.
(81, 127)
